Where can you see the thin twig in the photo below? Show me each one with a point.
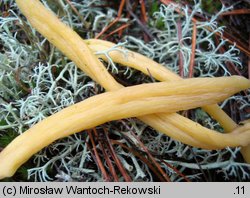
(199, 165)
(77, 13)
(117, 30)
(19, 82)
(176, 170)
(121, 8)
(152, 158)
(98, 159)
(134, 6)
(232, 110)
(236, 12)
(226, 36)
(148, 153)
(109, 163)
(114, 21)
(106, 28)
(142, 158)
(143, 11)
(106, 157)
(141, 25)
(230, 66)
(150, 75)
(144, 18)
(127, 178)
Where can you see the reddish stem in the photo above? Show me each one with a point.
(225, 35)
(117, 30)
(148, 153)
(114, 21)
(152, 158)
(109, 163)
(230, 66)
(75, 10)
(121, 8)
(144, 18)
(19, 82)
(128, 16)
(143, 159)
(116, 159)
(99, 162)
(236, 12)
(177, 171)
(143, 11)
(106, 28)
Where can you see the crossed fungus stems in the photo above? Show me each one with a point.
(97, 72)
(128, 102)
(144, 64)
(75, 48)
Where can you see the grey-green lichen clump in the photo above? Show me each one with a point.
(36, 80)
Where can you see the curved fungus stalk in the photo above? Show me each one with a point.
(159, 72)
(71, 44)
(128, 102)
(144, 64)
(118, 105)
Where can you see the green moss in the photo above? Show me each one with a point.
(211, 6)
(22, 172)
(21, 175)
(6, 138)
(160, 24)
(154, 8)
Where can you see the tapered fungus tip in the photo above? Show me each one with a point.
(6, 170)
(243, 82)
(5, 174)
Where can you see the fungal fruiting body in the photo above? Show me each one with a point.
(70, 43)
(129, 102)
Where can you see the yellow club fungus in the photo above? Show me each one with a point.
(127, 102)
(74, 47)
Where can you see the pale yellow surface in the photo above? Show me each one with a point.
(159, 72)
(74, 47)
(146, 65)
(129, 102)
